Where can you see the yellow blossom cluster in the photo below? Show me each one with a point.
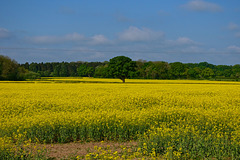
(176, 118)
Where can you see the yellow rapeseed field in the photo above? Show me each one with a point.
(174, 118)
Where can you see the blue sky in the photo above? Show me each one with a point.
(188, 31)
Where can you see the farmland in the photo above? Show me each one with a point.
(173, 118)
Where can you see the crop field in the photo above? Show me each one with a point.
(172, 119)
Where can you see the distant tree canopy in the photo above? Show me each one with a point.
(8, 68)
(11, 70)
(121, 67)
(118, 67)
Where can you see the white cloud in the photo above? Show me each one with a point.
(74, 37)
(200, 5)
(234, 48)
(137, 34)
(4, 33)
(233, 26)
(182, 42)
(99, 39)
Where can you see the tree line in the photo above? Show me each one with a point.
(140, 69)
(13, 71)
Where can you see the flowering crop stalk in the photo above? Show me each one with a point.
(177, 119)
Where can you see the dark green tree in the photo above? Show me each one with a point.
(177, 70)
(21, 73)
(236, 71)
(148, 67)
(208, 73)
(121, 67)
(8, 68)
(162, 69)
(32, 75)
(140, 70)
(203, 65)
(102, 71)
(11, 70)
(72, 69)
(90, 71)
(56, 70)
(82, 70)
(191, 73)
(63, 72)
(34, 67)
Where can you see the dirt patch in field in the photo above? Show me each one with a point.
(67, 150)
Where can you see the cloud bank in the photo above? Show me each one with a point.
(234, 48)
(135, 42)
(140, 34)
(99, 39)
(73, 37)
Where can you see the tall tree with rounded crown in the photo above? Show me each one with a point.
(121, 67)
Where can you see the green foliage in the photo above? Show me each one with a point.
(121, 67)
(20, 148)
(85, 71)
(82, 70)
(63, 72)
(102, 71)
(8, 68)
(11, 70)
(157, 70)
(31, 75)
(191, 73)
(141, 69)
(203, 65)
(207, 73)
(185, 142)
(177, 70)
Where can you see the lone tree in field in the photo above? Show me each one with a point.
(121, 67)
